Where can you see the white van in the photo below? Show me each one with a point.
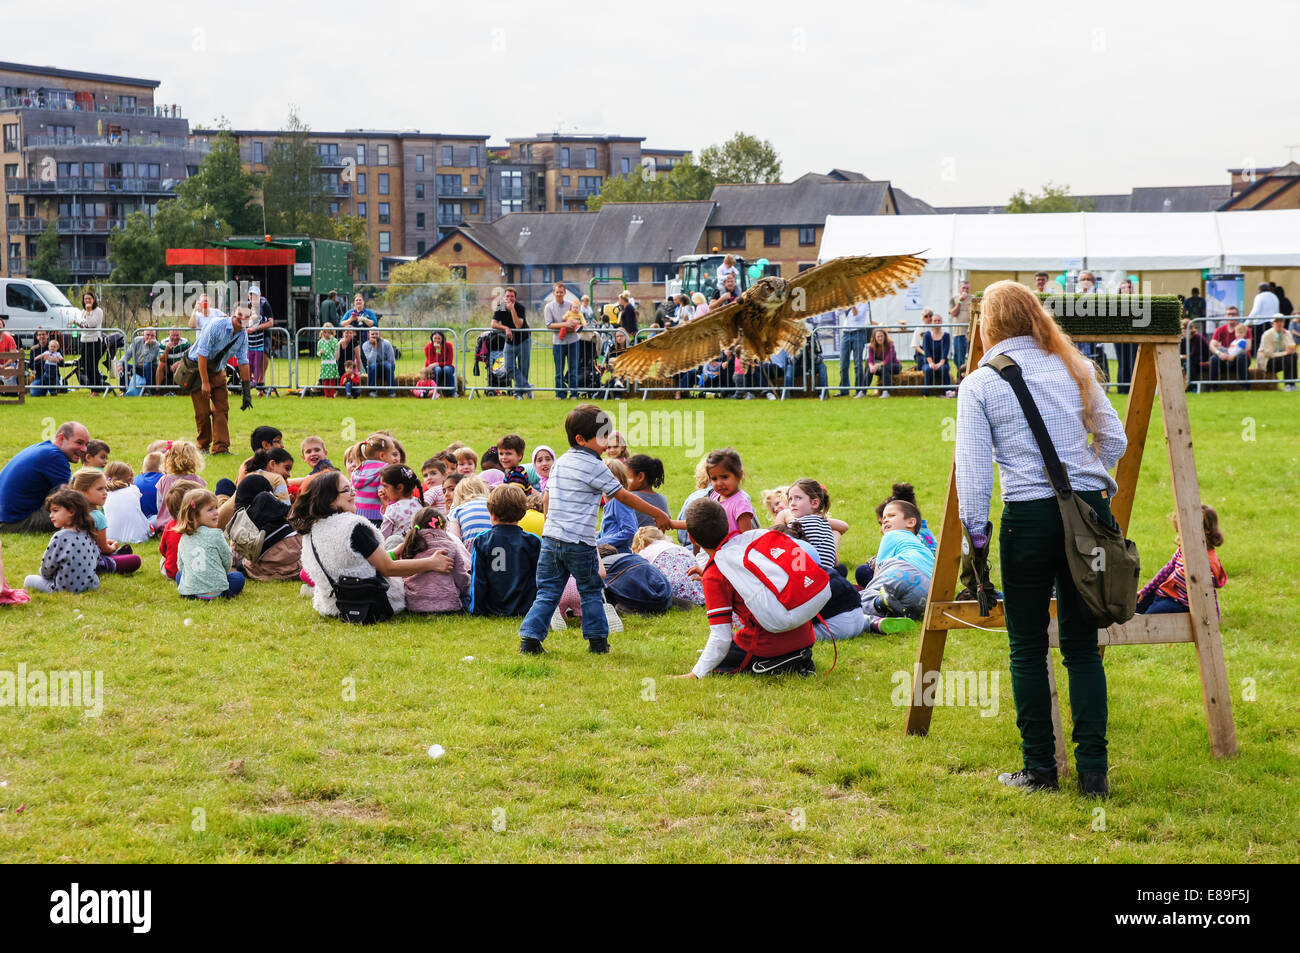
(30, 304)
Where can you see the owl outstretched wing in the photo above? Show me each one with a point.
(842, 282)
(682, 348)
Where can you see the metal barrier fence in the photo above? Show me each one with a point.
(1222, 370)
(575, 367)
(404, 354)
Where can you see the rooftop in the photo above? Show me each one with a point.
(805, 201)
(77, 74)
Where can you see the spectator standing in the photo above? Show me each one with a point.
(959, 312)
(510, 317)
(627, 315)
(9, 366)
(1194, 306)
(937, 346)
(381, 362)
(259, 310)
(90, 342)
(360, 316)
(566, 350)
(918, 338)
(1125, 351)
(1040, 283)
(330, 309)
(853, 345)
(203, 313)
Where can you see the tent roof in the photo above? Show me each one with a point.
(1152, 241)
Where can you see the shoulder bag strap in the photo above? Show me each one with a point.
(320, 562)
(1010, 372)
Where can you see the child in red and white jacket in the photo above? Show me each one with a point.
(169, 541)
(750, 648)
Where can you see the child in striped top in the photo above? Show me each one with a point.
(1167, 590)
(375, 452)
(469, 513)
(809, 502)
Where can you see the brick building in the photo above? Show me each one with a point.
(81, 151)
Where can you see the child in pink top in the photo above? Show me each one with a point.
(376, 453)
(725, 473)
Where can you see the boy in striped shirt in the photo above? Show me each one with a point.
(578, 480)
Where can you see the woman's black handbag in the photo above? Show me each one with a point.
(361, 600)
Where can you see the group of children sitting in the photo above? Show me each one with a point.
(580, 534)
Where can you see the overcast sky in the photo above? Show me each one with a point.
(956, 102)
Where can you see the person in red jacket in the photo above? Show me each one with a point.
(169, 541)
(751, 648)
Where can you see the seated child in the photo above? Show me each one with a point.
(350, 380)
(91, 484)
(619, 523)
(645, 474)
(503, 560)
(182, 461)
(633, 584)
(399, 490)
(677, 564)
(491, 472)
(809, 503)
(313, 454)
(904, 492)
(534, 520)
(1167, 590)
(702, 486)
(434, 591)
(469, 514)
(96, 454)
(776, 501)
(751, 648)
(725, 475)
(842, 616)
(276, 464)
(376, 452)
(510, 454)
(900, 585)
(126, 521)
(466, 461)
(169, 540)
(434, 472)
(204, 561)
(539, 471)
(147, 481)
(70, 557)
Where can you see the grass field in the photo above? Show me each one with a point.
(255, 730)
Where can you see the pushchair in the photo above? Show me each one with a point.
(589, 376)
(491, 352)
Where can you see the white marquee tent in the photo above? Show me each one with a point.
(955, 244)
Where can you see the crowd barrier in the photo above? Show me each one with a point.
(832, 363)
(401, 373)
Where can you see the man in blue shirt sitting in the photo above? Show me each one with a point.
(220, 339)
(33, 473)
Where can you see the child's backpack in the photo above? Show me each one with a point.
(244, 536)
(782, 585)
(633, 581)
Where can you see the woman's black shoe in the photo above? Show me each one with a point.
(1093, 784)
(1030, 780)
(529, 646)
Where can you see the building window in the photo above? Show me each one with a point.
(419, 248)
(473, 208)
(771, 236)
(625, 165)
(11, 170)
(600, 271)
(258, 157)
(419, 220)
(361, 153)
(661, 273)
(381, 155)
(564, 157)
(361, 183)
(334, 208)
(68, 170)
(511, 205)
(449, 185)
(385, 241)
(473, 156)
(564, 180)
(383, 213)
(419, 162)
(383, 270)
(807, 234)
(328, 150)
(361, 209)
(805, 266)
(419, 190)
(449, 213)
(459, 272)
(473, 180)
(61, 132)
(591, 158)
(630, 272)
(126, 102)
(733, 238)
(589, 184)
(446, 156)
(11, 137)
(383, 183)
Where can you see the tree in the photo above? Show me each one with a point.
(687, 181)
(352, 228)
(1054, 198)
(223, 186)
(136, 253)
(294, 191)
(742, 158)
(418, 288)
(45, 264)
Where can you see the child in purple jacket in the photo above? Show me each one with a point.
(435, 591)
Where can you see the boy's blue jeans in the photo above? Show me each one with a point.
(556, 563)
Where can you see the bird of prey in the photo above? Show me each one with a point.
(769, 317)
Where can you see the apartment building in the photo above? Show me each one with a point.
(410, 187)
(81, 151)
(569, 169)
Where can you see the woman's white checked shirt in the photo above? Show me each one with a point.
(992, 427)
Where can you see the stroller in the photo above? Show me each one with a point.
(589, 376)
(492, 352)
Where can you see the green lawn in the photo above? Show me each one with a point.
(228, 732)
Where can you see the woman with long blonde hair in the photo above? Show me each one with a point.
(1089, 439)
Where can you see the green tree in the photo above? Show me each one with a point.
(225, 187)
(135, 252)
(742, 158)
(419, 289)
(45, 264)
(294, 189)
(1054, 198)
(686, 181)
(352, 228)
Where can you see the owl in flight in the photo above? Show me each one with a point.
(769, 317)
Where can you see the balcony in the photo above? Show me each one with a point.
(69, 186)
(464, 192)
(330, 163)
(575, 194)
(160, 142)
(17, 267)
(512, 195)
(339, 189)
(76, 225)
(62, 105)
(86, 266)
